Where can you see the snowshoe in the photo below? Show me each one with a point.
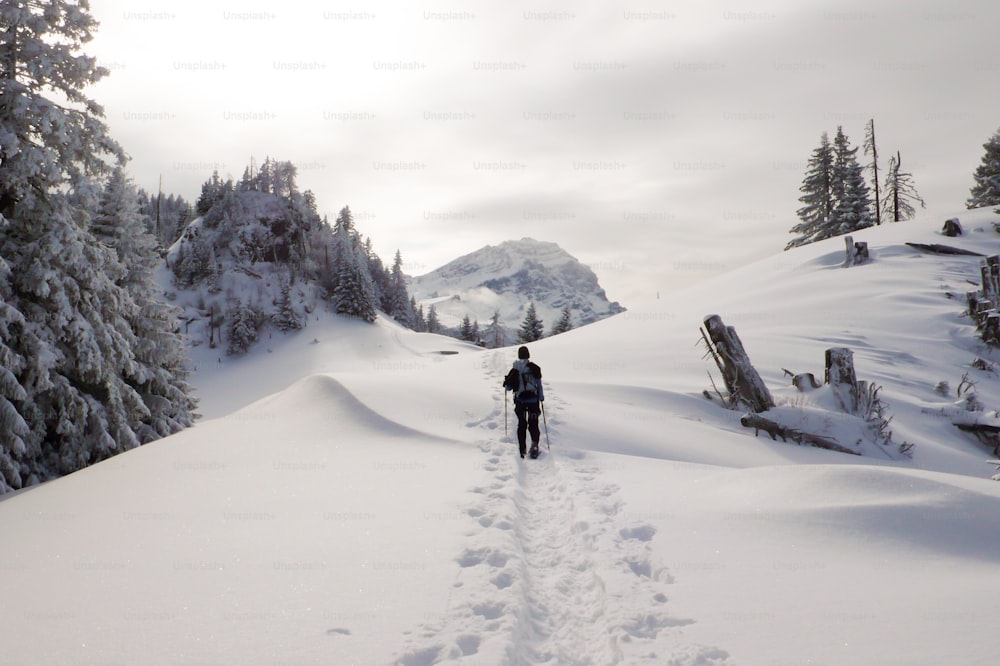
(534, 451)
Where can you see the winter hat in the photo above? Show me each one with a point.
(522, 352)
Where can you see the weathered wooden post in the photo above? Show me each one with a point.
(841, 377)
(742, 380)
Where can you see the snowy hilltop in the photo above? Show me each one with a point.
(356, 495)
(507, 278)
(258, 258)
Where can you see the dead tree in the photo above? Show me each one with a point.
(841, 377)
(775, 430)
(952, 227)
(857, 253)
(742, 380)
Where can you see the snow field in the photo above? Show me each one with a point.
(353, 498)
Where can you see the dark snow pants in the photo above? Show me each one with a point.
(527, 422)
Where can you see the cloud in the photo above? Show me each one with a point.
(638, 135)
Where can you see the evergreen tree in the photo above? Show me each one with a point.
(353, 291)
(158, 372)
(531, 327)
(817, 197)
(986, 190)
(398, 305)
(465, 330)
(285, 317)
(900, 193)
(496, 336)
(433, 324)
(420, 324)
(852, 202)
(66, 342)
(242, 331)
(565, 322)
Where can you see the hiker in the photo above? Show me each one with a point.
(525, 380)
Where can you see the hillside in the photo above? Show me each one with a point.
(373, 510)
(505, 278)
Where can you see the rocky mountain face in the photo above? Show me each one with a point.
(506, 278)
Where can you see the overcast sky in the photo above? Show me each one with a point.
(659, 142)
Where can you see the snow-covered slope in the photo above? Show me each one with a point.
(375, 511)
(509, 276)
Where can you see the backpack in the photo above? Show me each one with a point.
(524, 385)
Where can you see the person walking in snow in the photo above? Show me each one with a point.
(525, 380)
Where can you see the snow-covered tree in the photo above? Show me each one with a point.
(398, 304)
(900, 193)
(495, 336)
(465, 329)
(158, 372)
(433, 323)
(353, 292)
(242, 331)
(531, 328)
(286, 317)
(986, 190)
(64, 323)
(852, 201)
(817, 197)
(565, 322)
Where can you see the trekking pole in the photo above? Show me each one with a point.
(548, 447)
(505, 413)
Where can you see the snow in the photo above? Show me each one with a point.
(352, 497)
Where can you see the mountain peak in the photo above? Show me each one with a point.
(507, 277)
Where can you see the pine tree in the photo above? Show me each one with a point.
(285, 317)
(496, 336)
(66, 342)
(531, 327)
(565, 322)
(817, 197)
(242, 331)
(986, 191)
(398, 301)
(465, 330)
(852, 202)
(900, 193)
(433, 324)
(353, 291)
(158, 372)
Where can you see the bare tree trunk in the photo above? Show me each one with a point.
(841, 377)
(742, 380)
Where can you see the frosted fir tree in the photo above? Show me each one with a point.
(900, 193)
(242, 331)
(817, 197)
(286, 317)
(398, 305)
(465, 330)
(65, 320)
(531, 327)
(565, 322)
(159, 371)
(986, 190)
(433, 323)
(495, 336)
(354, 293)
(852, 199)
